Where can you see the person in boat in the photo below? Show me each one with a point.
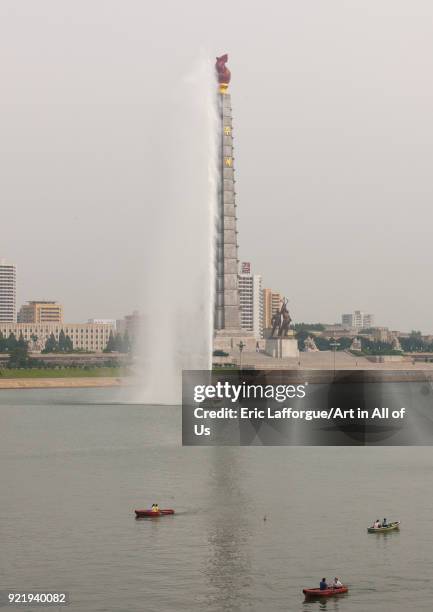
(376, 524)
(337, 584)
(384, 523)
(323, 584)
(155, 508)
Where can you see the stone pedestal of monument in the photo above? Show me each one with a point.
(280, 348)
(228, 340)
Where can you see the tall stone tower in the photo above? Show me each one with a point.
(227, 309)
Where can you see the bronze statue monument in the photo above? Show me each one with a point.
(223, 73)
(281, 321)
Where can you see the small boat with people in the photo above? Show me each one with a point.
(326, 590)
(384, 526)
(154, 511)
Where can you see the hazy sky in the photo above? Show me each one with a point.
(333, 106)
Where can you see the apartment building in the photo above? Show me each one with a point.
(41, 312)
(8, 307)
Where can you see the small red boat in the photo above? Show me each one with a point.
(325, 592)
(143, 513)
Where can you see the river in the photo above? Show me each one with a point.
(76, 462)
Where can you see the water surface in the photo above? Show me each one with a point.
(74, 465)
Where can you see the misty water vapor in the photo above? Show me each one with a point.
(178, 254)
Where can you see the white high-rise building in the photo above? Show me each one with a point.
(251, 301)
(272, 301)
(8, 302)
(368, 321)
(347, 320)
(357, 320)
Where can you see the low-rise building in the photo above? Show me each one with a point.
(336, 330)
(381, 334)
(103, 322)
(84, 336)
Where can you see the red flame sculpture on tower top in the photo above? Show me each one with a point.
(223, 73)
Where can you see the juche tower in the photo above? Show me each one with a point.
(227, 308)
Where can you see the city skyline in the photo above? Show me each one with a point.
(332, 152)
(48, 315)
(253, 292)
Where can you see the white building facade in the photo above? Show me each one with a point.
(357, 320)
(251, 301)
(8, 301)
(92, 337)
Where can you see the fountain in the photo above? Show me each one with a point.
(179, 280)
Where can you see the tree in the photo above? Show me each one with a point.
(118, 343)
(62, 342)
(111, 346)
(371, 347)
(63, 345)
(69, 345)
(51, 345)
(323, 344)
(126, 344)
(11, 342)
(414, 343)
(301, 336)
(19, 357)
(345, 343)
(308, 326)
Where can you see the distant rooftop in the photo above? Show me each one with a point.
(41, 302)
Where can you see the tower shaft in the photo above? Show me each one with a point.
(227, 313)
